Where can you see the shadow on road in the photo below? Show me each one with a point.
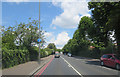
(93, 62)
(98, 64)
(78, 57)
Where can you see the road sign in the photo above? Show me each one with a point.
(39, 40)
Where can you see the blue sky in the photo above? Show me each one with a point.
(58, 19)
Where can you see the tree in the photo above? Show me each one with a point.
(65, 48)
(59, 50)
(80, 41)
(22, 35)
(86, 26)
(83, 38)
(8, 38)
(114, 22)
(28, 33)
(106, 16)
(51, 46)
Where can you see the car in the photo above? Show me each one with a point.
(69, 54)
(111, 60)
(57, 55)
(61, 52)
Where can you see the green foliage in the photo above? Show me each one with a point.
(14, 57)
(80, 41)
(106, 16)
(33, 52)
(51, 46)
(43, 52)
(59, 50)
(95, 32)
(49, 51)
(86, 26)
(27, 33)
(22, 35)
(85, 37)
(18, 43)
(8, 38)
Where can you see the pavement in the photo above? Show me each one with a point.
(75, 67)
(27, 68)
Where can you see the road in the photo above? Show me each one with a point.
(77, 67)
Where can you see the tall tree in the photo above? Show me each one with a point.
(51, 46)
(8, 38)
(28, 33)
(106, 16)
(114, 22)
(22, 35)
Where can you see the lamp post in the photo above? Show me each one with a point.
(39, 33)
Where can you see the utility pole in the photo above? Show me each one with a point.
(39, 32)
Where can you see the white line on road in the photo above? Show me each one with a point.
(72, 67)
(69, 65)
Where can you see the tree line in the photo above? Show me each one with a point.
(19, 43)
(93, 35)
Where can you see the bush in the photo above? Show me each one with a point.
(45, 53)
(33, 52)
(11, 58)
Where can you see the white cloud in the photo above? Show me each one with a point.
(49, 38)
(48, 34)
(61, 39)
(72, 13)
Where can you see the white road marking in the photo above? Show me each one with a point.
(69, 65)
(72, 67)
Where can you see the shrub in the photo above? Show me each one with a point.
(14, 57)
(33, 52)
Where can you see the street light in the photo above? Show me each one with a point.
(39, 33)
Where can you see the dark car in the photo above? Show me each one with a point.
(111, 60)
(57, 55)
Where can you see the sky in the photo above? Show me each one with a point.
(58, 18)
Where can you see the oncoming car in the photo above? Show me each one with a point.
(57, 55)
(111, 60)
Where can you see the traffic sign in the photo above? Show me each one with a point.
(39, 40)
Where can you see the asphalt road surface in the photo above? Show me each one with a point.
(77, 67)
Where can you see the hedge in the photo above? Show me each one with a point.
(43, 52)
(11, 58)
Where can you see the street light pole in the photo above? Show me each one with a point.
(39, 32)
